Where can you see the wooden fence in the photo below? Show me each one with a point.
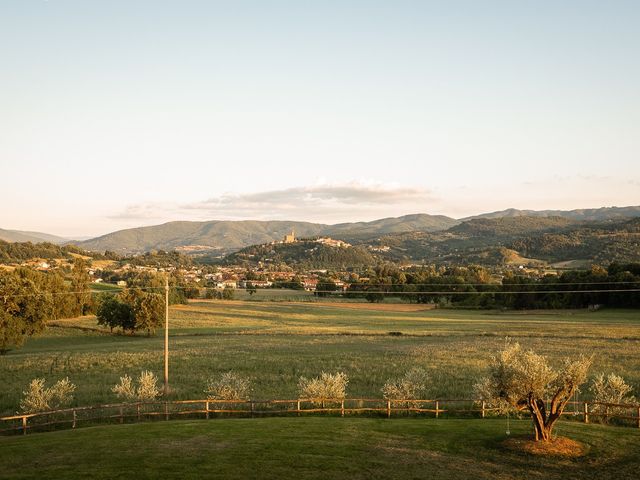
(166, 410)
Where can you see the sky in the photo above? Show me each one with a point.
(117, 114)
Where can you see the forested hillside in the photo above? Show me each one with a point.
(229, 236)
(307, 254)
(519, 239)
(20, 252)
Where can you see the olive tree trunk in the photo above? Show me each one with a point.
(543, 421)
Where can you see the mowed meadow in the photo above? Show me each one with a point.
(276, 342)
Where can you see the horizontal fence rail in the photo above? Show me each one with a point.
(209, 408)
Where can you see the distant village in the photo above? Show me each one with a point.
(259, 276)
(262, 274)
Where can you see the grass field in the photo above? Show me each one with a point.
(314, 448)
(275, 343)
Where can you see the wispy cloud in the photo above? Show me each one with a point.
(144, 211)
(318, 202)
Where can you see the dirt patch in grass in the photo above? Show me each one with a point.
(559, 447)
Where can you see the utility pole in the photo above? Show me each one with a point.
(166, 335)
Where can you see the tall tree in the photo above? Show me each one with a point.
(147, 309)
(80, 281)
(114, 313)
(24, 307)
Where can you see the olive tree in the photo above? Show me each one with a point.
(524, 380)
(609, 391)
(145, 390)
(328, 386)
(40, 398)
(230, 386)
(411, 386)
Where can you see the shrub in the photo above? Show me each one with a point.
(230, 386)
(411, 386)
(228, 293)
(328, 386)
(38, 398)
(210, 293)
(147, 388)
(610, 389)
(125, 388)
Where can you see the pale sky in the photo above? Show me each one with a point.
(116, 114)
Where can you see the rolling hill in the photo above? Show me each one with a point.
(509, 226)
(520, 239)
(228, 236)
(409, 223)
(588, 214)
(308, 254)
(224, 237)
(33, 237)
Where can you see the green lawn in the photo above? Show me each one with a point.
(310, 448)
(275, 343)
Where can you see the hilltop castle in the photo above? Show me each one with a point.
(289, 238)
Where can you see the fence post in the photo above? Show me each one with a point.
(75, 418)
(483, 405)
(342, 408)
(24, 425)
(586, 412)
(166, 410)
(298, 407)
(251, 403)
(388, 408)
(138, 410)
(121, 414)
(437, 408)
(207, 408)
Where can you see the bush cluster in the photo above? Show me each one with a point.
(38, 398)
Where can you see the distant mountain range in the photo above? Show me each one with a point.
(229, 236)
(33, 237)
(518, 240)
(588, 214)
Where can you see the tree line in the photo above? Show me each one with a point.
(474, 287)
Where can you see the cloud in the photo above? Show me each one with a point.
(350, 194)
(324, 202)
(145, 211)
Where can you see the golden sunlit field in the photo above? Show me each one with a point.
(275, 343)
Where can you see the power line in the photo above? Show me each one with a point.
(353, 292)
(489, 284)
(492, 292)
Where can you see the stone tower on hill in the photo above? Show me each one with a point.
(290, 238)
